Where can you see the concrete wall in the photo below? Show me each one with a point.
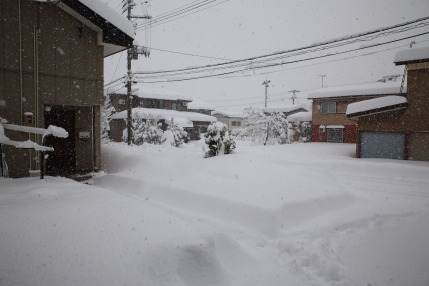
(62, 65)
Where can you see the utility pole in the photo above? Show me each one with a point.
(322, 76)
(266, 82)
(294, 92)
(132, 54)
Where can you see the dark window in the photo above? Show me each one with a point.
(236, 123)
(335, 135)
(329, 107)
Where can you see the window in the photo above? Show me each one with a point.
(141, 103)
(329, 107)
(335, 135)
(121, 101)
(236, 123)
(174, 106)
(184, 103)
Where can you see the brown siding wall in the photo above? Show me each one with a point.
(414, 118)
(70, 70)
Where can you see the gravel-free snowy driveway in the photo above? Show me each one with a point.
(299, 214)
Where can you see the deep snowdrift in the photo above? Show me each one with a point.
(299, 214)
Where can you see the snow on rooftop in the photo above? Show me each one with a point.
(165, 114)
(378, 88)
(413, 54)
(300, 116)
(374, 103)
(155, 93)
(285, 108)
(200, 105)
(110, 15)
(229, 114)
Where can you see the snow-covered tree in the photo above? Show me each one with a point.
(146, 131)
(179, 134)
(107, 110)
(267, 127)
(218, 140)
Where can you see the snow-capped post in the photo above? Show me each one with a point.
(218, 140)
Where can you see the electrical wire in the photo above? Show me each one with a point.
(285, 63)
(366, 36)
(175, 13)
(192, 55)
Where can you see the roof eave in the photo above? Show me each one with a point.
(111, 37)
(355, 116)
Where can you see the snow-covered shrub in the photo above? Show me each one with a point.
(174, 136)
(267, 127)
(218, 140)
(300, 131)
(240, 134)
(146, 131)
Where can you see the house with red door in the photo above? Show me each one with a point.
(51, 73)
(329, 121)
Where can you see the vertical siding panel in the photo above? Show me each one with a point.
(77, 48)
(47, 46)
(91, 55)
(29, 18)
(11, 36)
(2, 36)
(65, 28)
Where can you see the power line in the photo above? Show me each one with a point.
(174, 14)
(285, 63)
(187, 54)
(345, 39)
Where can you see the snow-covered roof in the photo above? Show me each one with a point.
(286, 108)
(199, 105)
(110, 15)
(151, 93)
(378, 88)
(165, 114)
(229, 114)
(415, 54)
(300, 116)
(376, 104)
(114, 31)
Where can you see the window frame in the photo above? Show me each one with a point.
(328, 107)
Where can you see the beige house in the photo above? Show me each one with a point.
(51, 73)
(232, 120)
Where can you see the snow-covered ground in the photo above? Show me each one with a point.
(299, 214)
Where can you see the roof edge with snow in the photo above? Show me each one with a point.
(376, 106)
(369, 90)
(115, 32)
(412, 56)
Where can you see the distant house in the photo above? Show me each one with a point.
(330, 123)
(397, 127)
(232, 120)
(287, 109)
(166, 107)
(200, 107)
(51, 73)
(149, 98)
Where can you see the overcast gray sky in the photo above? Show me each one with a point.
(237, 29)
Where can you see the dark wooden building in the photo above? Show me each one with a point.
(51, 73)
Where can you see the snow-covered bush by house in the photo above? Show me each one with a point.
(145, 131)
(267, 127)
(179, 135)
(107, 111)
(240, 134)
(174, 136)
(218, 140)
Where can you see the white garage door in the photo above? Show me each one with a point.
(387, 145)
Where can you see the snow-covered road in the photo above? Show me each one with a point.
(299, 214)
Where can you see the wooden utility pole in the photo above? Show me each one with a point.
(132, 54)
(266, 82)
(322, 76)
(294, 91)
